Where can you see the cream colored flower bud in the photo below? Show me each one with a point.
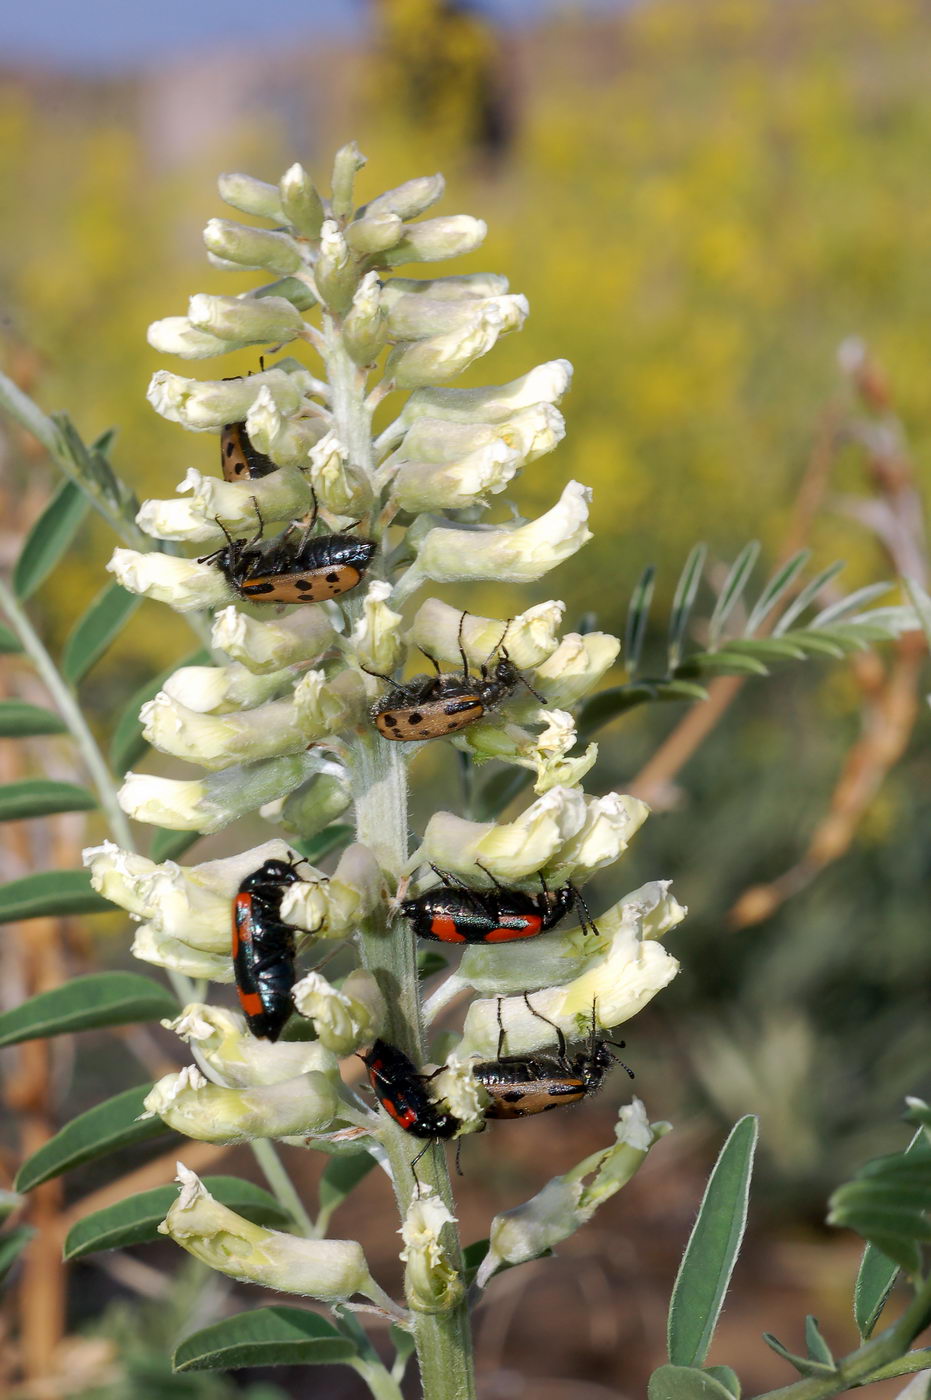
(419, 317)
(251, 196)
(344, 1017)
(244, 320)
(301, 203)
(174, 335)
(576, 667)
(566, 1202)
(509, 850)
(293, 289)
(266, 647)
(316, 803)
(529, 638)
(341, 488)
(205, 405)
(422, 486)
(211, 803)
(431, 1282)
(286, 440)
(216, 741)
(325, 705)
(461, 288)
(513, 554)
(121, 876)
(365, 329)
(331, 1270)
(184, 584)
(332, 908)
(152, 945)
(347, 162)
(304, 1105)
(416, 362)
(545, 384)
(218, 689)
(374, 233)
(464, 1096)
(408, 200)
(375, 638)
(281, 495)
(252, 247)
(337, 271)
(436, 239)
(234, 1056)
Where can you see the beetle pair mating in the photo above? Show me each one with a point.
(432, 707)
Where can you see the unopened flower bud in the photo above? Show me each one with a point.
(373, 233)
(365, 329)
(529, 638)
(286, 440)
(407, 200)
(416, 362)
(251, 196)
(304, 1105)
(566, 1203)
(461, 288)
(376, 640)
(425, 486)
(344, 1017)
(266, 647)
(337, 272)
(316, 803)
(281, 495)
(234, 1056)
(431, 1282)
(545, 384)
(341, 488)
(435, 239)
(325, 704)
(252, 247)
(347, 162)
(331, 1270)
(202, 405)
(216, 741)
(174, 335)
(418, 317)
(184, 584)
(244, 320)
(211, 803)
(509, 850)
(302, 205)
(218, 689)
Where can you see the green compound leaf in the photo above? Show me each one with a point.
(776, 589)
(638, 616)
(20, 720)
(686, 1383)
(731, 593)
(40, 797)
(49, 537)
(682, 603)
(806, 597)
(50, 893)
(127, 743)
(94, 632)
(341, 1175)
(276, 1336)
(136, 1220)
(12, 1246)
(101, 1130)
(87, 1003)
(710, 1255)
(805, 1365)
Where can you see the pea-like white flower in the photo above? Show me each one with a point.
(344, 1017)
(423, 486)
(340, 487)
(508, 554)
(414, 363)
(211, 803)
(246, 320)
(205, 405)
(432, 1282)
(545, 384)
(567, 1202)
(187, 1102)
(264, 647)
(332, 1270)
(376, 638)
(464, 1096)
(529, 638)
(412, 318)
(216, 741)
(183, 584)
(327, 704)
(529, 432)
(174, 335)
(575, 667)
(334, 907)
(152, 945)
(509, 850)
(285, 440)
(462, 288)
(218, 689)
(282, 495)
(231, 1055)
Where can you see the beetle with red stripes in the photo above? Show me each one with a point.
(399, 1088)
(264, 948)
(455, 912)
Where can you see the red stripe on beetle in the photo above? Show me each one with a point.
(529, 927)
(444, 928)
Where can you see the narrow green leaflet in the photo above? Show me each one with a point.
(638, 616)
(686, 1383)
(136, 1220)
(85, 1003)
(9, 642)
(49, 893)
(277, 1336)
(887, 1203)
(922, 605)
(731, 593)
(805, 1365)
(12, 1246)
(835, 611)
(340, 1176)
(40, 797)
(98, 1132)
(325, 842)
(818, 1349)
(93, 633)
(127, 743)
(728, 1378)
(49, 537)
(776, 589)
(806, 597)
(722, 662)
(20, 720)
(686, 589)
(171, 845)
(710, 1255)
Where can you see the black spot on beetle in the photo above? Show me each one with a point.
(415, 718)
(332, 578)
(258, 588)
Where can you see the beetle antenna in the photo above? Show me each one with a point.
(585, 918)
(462, 651)
(484, 868)
(258, 515)
(316, 509)
(380, 674)
(433, 661)
(524, 682)
(558, 1029)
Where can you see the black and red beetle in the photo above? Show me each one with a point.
(264, 947)
(455, 912)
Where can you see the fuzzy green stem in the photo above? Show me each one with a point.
(282, 1186)
(379, 778)
(379, 1381)
(886, 1355)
